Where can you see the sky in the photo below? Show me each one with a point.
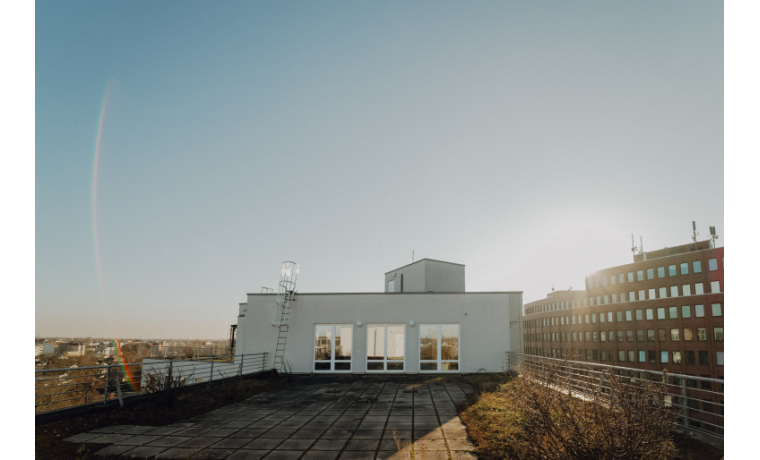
(184, 150)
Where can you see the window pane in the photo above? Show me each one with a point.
(628, 315)
(323, 345)
(685, 268)
(712, 264)
(449, 366)
(714, 287)
(631, 356)
(650, 313)
(640, 335)
(699, 288)
(395, 366)
(717, 310)
(718, 334)
(673, 312)
(428, 343)
(630, 277)
(640, 275)
(621, 356)
(639, 315)
(699, 311)
(375, 343)
(671, 270)
(650, 335)
(674, 335)
(719, 358)
(688, 334)
(676, 357)
(611, 336)
(697, 266)
(375, 366)
(663, 335)
(428, 366)
(664, 357)
(395, 343)
(663, 292)
(449, 341)
(629, 336)
(609, 316)
(702, 334)
(621, 278)
(661, 313)
(619, 316)
(690, 359)
(322, 366)
(642, 356)
(673, 291)
(703, 361)
(343, 365)
(342, 342)
(686, 311)
(650, 273)
(661, 272)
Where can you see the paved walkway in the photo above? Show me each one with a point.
(313, 418)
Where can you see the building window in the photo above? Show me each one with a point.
(703, 358)
(595, 336)
(650, 273)
(650, 335)
(591, 301)
(688, 334)
(623, 297)
(719, 358)
(609, 316)
(385, 347)
(631, 356)
(332, 347)
(676, 357)
(630, 277)
(640, 275)
(598, 300)
(628, 315)
(575, 337)
(661, 313)
(664, 357)
(642, 295)
(663, 292)
(612, 336)
(685, 268)
(632, 296)
(604, 355)
(603, 336)
(663, 335)
(642, 356)
(650, 314)
(672, 270)
(629, 336)
(593, 318)
(673, 291)
(601, 317)
(714, 287)
(686, 288)
(619, 316)
(652, 355)
(621, 279)
(718, 334)
(660, 272)
(712, 264)
(699, 311)
(673, 311)
(639, 315)
(588, 336)
(686, 311)
(612, 280)
(587, 321)
(639, 335)
(675, 335)
(439, 347)
(614, 298)
(620, 336)
(717, 310)
(690, 359)
(699, 288)
(702, 334)
(621, 356)
(696, 266)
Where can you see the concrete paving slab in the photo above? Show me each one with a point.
(263, 444)
(83, 437)
(144, 452)
(199, 441)
(138, 440)
(248, 454)
(170, 441)
(113, 450)
(321, 455)
(179, 452)
(110, 438)
(285, 454)
(215, 453)
(362, 444)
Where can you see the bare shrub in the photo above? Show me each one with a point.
(567, 414)
(166, 386)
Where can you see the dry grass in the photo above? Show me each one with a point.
(503, 425)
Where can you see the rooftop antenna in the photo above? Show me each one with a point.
(713, 236)
(641, 248)
(633, 247)
(694, 233)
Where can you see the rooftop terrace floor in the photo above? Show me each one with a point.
(315, 417)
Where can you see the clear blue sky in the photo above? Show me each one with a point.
(527, 140)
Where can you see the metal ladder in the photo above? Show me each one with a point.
(285, 298)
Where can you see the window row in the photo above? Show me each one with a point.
(649, 273)
(663, 335)
(643, 314)
(438, 347)
(690, 358)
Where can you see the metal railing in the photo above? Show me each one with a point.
(687, 392)
(65, 388)
(186, 352)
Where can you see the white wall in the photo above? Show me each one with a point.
(428, 275)
(484, 320)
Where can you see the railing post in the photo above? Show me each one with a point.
(212, 370)
(105, 391)
(684, 409)
(241, 365)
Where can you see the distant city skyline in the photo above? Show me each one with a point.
(184, 150)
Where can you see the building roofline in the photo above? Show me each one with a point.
(390, 293)
(422, 260)
(640, 262)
